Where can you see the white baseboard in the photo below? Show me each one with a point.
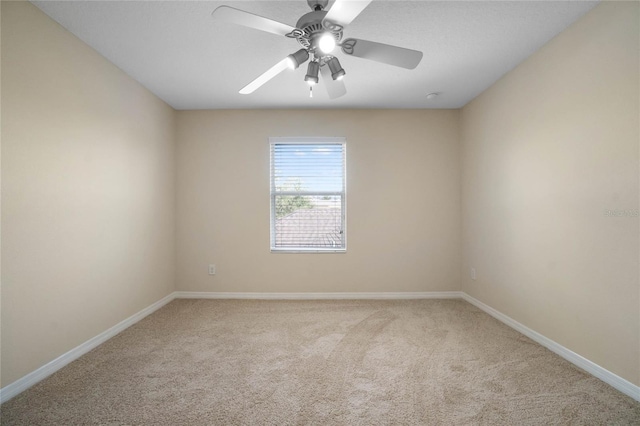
(22, 384)
(590, 367)
(320, 296)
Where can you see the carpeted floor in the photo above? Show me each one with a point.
(417, 362)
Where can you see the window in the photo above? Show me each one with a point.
(308, 194)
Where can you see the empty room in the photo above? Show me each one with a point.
(323, 212)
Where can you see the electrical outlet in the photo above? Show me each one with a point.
(473, 273)
(212, 269)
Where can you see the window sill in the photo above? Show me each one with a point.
(306, 251)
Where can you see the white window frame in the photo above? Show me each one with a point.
(272, 193)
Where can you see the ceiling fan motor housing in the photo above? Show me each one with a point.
(311, 25)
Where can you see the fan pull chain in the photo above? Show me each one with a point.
(311, 91)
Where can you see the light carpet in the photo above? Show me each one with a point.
(249, 362)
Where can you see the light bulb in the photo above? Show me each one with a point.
(327, 43)
(295, 59)
(337, 72)
(290, 63)
(312, 73)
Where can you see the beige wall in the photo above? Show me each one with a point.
(403, 202)
(0, 197)
(87, 193)
(546, 151)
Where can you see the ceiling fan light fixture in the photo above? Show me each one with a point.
(337, 72)
(312, 73)
(327, 43)
(319, 32)
(297, 58)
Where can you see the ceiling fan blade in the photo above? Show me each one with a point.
(380, 52)
(335, 88)
(268, 75)
(342, 12)
(240, 17)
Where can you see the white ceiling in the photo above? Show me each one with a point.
(176, 50)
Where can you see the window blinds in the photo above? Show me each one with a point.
(308, 194)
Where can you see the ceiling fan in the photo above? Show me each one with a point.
(319, 32)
